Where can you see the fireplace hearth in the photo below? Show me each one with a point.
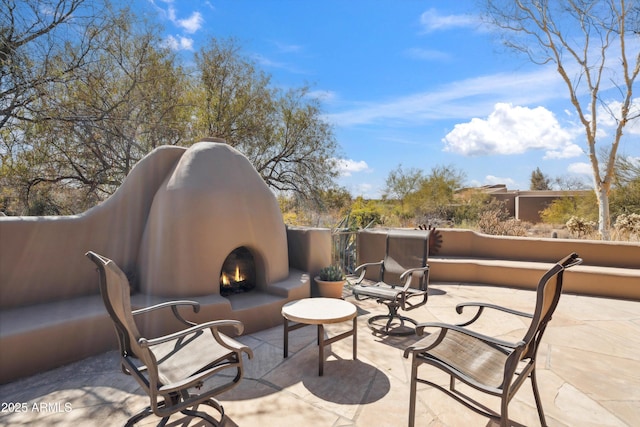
(238, 272)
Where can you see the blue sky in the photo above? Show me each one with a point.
(417, 83)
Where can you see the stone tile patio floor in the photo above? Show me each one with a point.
(589, 374)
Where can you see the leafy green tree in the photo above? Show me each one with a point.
(399, 185)
(332, 206)
(283, 133)
(470, 204)
(437, 192)
(336, 199)
(590, 42)
(232, 99)
(100, 93)
(539, 181)
(296, 149)
(43, 46)
(625, 196)
(562, 209)
(123, 102)
(402, 182)
(365, 212)
(42, 43)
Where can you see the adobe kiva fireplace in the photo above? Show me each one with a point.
(215, 234)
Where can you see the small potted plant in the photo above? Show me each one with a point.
(330, 281)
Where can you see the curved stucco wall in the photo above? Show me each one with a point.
(211, 203)
(42, 258)
(610, 269)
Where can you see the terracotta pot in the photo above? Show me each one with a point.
(330, 289)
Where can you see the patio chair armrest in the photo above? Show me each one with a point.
(570, 260)
(213, 325)
(231, 344)
(413, 270)
(481, 306)
(406, 275)
(445, 327)
(363, 269)
(174, 307)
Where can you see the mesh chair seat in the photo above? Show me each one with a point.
(181, 358)
(469, 356)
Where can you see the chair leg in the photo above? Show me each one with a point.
(413, 392)
(143, 414)
(390, 317)
(202, 415)
(504, 411)
(536, 395)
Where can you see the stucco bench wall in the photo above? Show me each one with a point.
(609, 269)
(45, 335)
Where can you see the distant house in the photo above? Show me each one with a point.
(527, 205)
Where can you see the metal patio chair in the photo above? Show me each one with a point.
(178, 371)
(492, 365)
(403, 281)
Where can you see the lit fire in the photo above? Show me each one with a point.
(228, 279)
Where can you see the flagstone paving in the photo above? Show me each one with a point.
(589, 374)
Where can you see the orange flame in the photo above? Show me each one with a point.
(226, 280)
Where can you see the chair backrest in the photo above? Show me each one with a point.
(547, 298)
(114, 288)
(405, 250)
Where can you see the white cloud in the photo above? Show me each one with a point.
(609, 116)
(267, 62)
(567, 152)
(511, 130)
(288, 48)
(365, 190)
(458, 100)
(192, 23)
(580, 168)
(178, 43)
(633, 127)
(431, 20)
(323, 95)
(348, 166)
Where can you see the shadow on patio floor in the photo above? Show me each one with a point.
(589, 375)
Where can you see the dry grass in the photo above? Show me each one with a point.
(560, 231)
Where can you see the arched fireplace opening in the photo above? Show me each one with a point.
(238, 272)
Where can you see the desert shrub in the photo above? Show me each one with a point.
(579, 226)
(366, 212)
(497, 223)
(628, 225)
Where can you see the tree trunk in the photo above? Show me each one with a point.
(604, 217)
